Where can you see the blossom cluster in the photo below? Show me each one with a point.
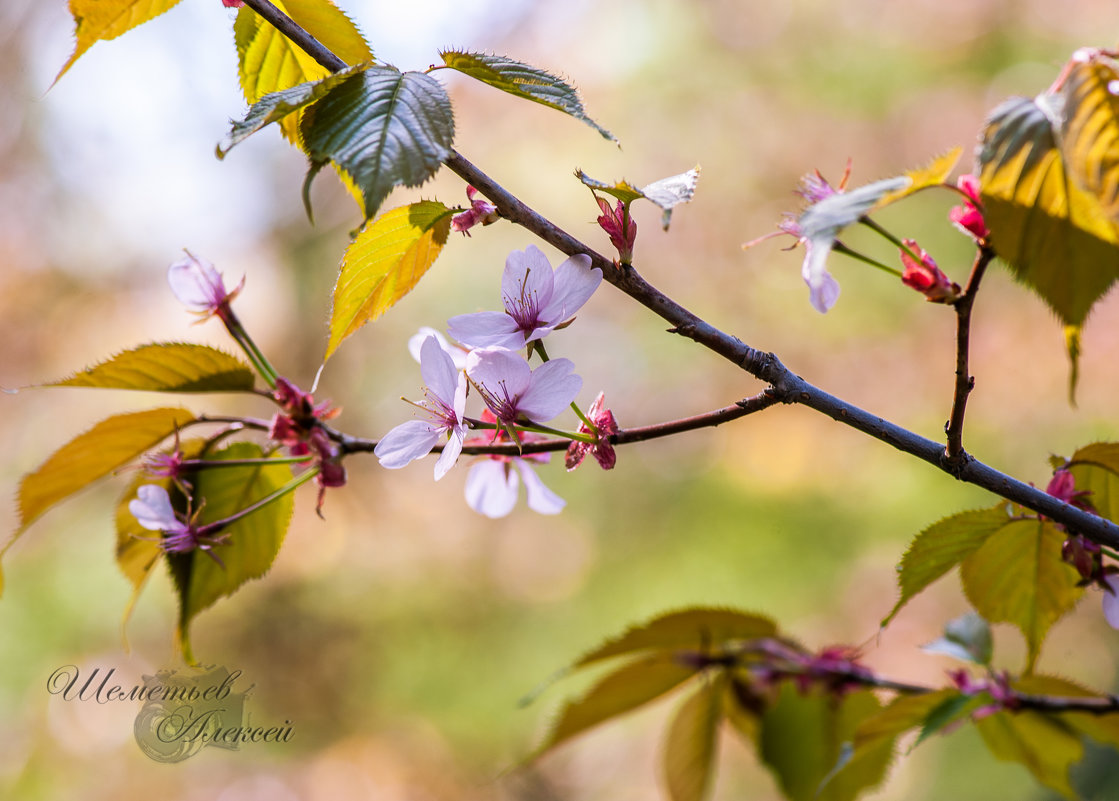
(489, 360)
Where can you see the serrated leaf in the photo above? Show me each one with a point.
(667, 193)
(631, 686)
(802, 739)
(522, 80)
(903, 713)
(101, 20)
(623, 190)
(1044, 745)
(953, 708)
(934, 173)
(1053, 234)
(1096, 470)
(383, 263)
(383, 128)
(695, 629)
(941, 547)
(167, 367)
(1103, 729)
(1018, 576)
(253, 542)
(692, 742)
(94, 454)
(270, 62)
(277, 106)
(1090, 134)
(968, 637)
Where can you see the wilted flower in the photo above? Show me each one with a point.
(200, 287)
(444, 406)
(537, 301)
(924, 276)
(492, 483)
(967, 216)
(513, 391)
(620, 226)
(605, 427)
(480, 211)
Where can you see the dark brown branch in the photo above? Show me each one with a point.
(954, 450)
(305, 41)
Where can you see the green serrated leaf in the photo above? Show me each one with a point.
(253, 542)
(631, 686)
(383, 128)
(1053, 234)
(1103, 729)
(167, 367)
(623, 190)
(941, 547)
(383, 263)
(277, 106)
(1090, 134)
(1042, 743)
(934, 173)
(1018, 576)
(110, 444)
(101, 20)
(802, 739)
(953, 708)
(1096, 470)
(694, 629)
(523, 81)
(692, 742)
(903, 713)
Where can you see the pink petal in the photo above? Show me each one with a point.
(416, 341)
(527, 279)
(575, 282)
(196, 284)
(450, 452)
(483, 329)
(552, 388)
(500, 371)
(408, 441)
(491, 489)
(1111, 601)
(438, 371)
(540, 498)
(823, 289)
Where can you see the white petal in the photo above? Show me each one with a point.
(195, 283)
(574, 284)
(499, 370)
(152, 508)
(1111, 601)
(407, 442)
(458, 355)
(527, 279)
(823, 289)
(843, 208)
(438, 371)
(483, 329)
(551, 389)
(540, 498)
(450, 452)
(491, 489)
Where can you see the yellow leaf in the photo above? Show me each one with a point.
(383, 263)
(691, 743)
(1090, 136)
(98, 20)
(934, 173)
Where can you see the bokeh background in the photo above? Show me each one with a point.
(399, 634)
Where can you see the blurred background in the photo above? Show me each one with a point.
(399, 634)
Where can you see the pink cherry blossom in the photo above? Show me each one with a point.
(621, 227)
(152, 509)
(492, 485)
(603, 449)
(200, 287)
(925, 276)
(444, 406)
(480, 211)
(967, 217)
(537, 300)
(514, 392)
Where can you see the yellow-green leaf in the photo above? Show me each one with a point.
(1101, 728)
(941, 547)
(1017, 576)
(1096, 470)
(903, 713)
(694, 629)
(1047, 747)
(934, 173)
(98, 20)
(692, 742)
(383, 263)
(253, 541)
(110, 444)
(1090, 136)
(167, 367)
(270, 62)
(633, 685)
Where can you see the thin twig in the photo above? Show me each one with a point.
(954, 453)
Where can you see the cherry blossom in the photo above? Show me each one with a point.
(537, 300)
(603, 450)
(200, 287)
(924, 275)
(416, 341)
(514, 392)
(480, 211)
(493, 483)
(444, 406)
(152, 509)
(967, 217)
(621, 227)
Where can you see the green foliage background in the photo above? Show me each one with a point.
(399, 634)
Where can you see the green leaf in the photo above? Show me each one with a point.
(383, 128)
(101, 20)
(803, 737)
(934, 173)
(1101, 728)
(254, 540)
(1017, 576)
(695, 629)
(1055, 236)
(1090, 134)
(903, 713)
(383, 263)
(631, 686)
(167, 367)
(953, 708)
(524, 81)
(1096, 469)
(276, 106)
(110, 444)
(1047, 747)
(968, 637)
(941, 547)
(692, 742)
(270, 62)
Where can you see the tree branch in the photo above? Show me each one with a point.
(954, 451)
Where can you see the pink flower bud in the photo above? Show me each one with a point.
(967, 217)
(925, 276)
(620, 226)
(480, 211)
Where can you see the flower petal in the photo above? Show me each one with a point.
(491, 489)
(499, 370)
(450, 452)
(1111, 601)
(540, 498)
(416, 341)
(823, 289)
(552, 387)
(575, 282)
(527, 280)
(438, 371)
(484, 329)
(196, 284)
(152, 508)
(408, 441)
